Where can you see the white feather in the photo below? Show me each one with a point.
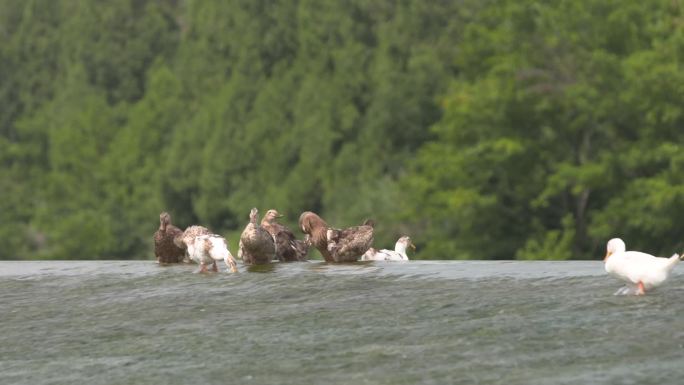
(218, 251)
(634, 267)
(398, 254)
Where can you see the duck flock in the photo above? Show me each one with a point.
(268, 241)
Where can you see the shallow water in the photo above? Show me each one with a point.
(130, 322)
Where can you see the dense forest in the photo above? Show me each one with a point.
(484, 129)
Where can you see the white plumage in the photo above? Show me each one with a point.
(398, 254)
(640, 271)
(207, 249)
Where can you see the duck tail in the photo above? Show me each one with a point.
(220, 251)
(223, 254)
(231, 263)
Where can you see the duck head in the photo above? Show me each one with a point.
(615, 245)
(271, 216)
(309, 222)
(403, 243)
(164, 220)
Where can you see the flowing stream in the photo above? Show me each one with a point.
(455, 322)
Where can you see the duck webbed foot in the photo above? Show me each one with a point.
(640, 289)
(630, 290)
(202, 268)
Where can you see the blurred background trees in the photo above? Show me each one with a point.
(484, 129)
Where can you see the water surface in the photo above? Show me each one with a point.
(476, 322)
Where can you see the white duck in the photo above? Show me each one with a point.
(207, 249)
(398, 254)
(639, 270)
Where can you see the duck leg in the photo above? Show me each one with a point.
(640, 289)
(214, 268)
(203, 268)
(231, 263)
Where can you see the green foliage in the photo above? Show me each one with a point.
(508, 129)
(557, 135)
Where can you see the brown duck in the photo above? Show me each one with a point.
(256, 244)
(336, 245)
(165, 250)
(288, 248)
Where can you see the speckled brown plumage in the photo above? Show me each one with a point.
(315, 229)
(288, 248)
(165, 250)
(256, 244)
(190, 234)
(335, 245)
(349, 244)
(187, 237)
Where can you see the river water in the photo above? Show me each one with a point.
(474, 322)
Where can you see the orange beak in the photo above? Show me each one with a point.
(608, 254)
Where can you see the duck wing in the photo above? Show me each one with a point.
(165, 250)
(392, 255)
(188, 236)
(301, 249)
(349, 244)
(635, 267)
(381, 255)
(373, 254)
(288, 248)
(256, 245)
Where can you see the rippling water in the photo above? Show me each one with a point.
(135, 322)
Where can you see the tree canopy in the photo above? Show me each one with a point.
(483, 129)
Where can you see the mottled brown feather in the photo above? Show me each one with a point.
(256, 244)
(337, 245)
(349, 244)
(316, 228)
(207, 246)
(288, 247)
(165, 250)
(189, 235)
